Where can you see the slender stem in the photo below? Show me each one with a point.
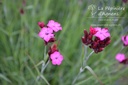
(76, 78)
(89, 56)
(38, 71)
(85, 61)
(45, 52)
(41, 73)
(85, 54)
(122, 48)
(81, 69)
(44, 79)
(93, 73)
(41, 62)
(44, 66)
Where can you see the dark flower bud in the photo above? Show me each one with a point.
(41, 24)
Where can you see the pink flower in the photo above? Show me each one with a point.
(55, 26)
(56, 58)
(120, 57)
(125, 40)
(46, 34)
(102, 33)
(41, 24)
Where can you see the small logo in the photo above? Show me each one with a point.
(92, 8)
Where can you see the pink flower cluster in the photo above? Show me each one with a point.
(120, 56)
(47, 34)
(100, 41)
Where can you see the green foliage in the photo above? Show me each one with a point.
(20, 44)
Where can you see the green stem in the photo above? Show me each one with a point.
(44, 66)
(76, 77)
(41, 73)
(93, 73)
(85, 54)
(44, 79)
(85, 61)
(122, 48)
(45, 52)
(81, 69)
(38, 71)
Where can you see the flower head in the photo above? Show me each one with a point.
(46, 34)
(102, 33)
(55, 26)
(56, 58)
(99, 42)
(125, 40)
(120, 57)
(41, 24)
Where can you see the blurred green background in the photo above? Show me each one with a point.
(19, 42)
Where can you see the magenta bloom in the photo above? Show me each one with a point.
(102, 33)
(120, 57)
(46, 34)
(125, 40)
(55, 26)
(99, 42)
(56, 58)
